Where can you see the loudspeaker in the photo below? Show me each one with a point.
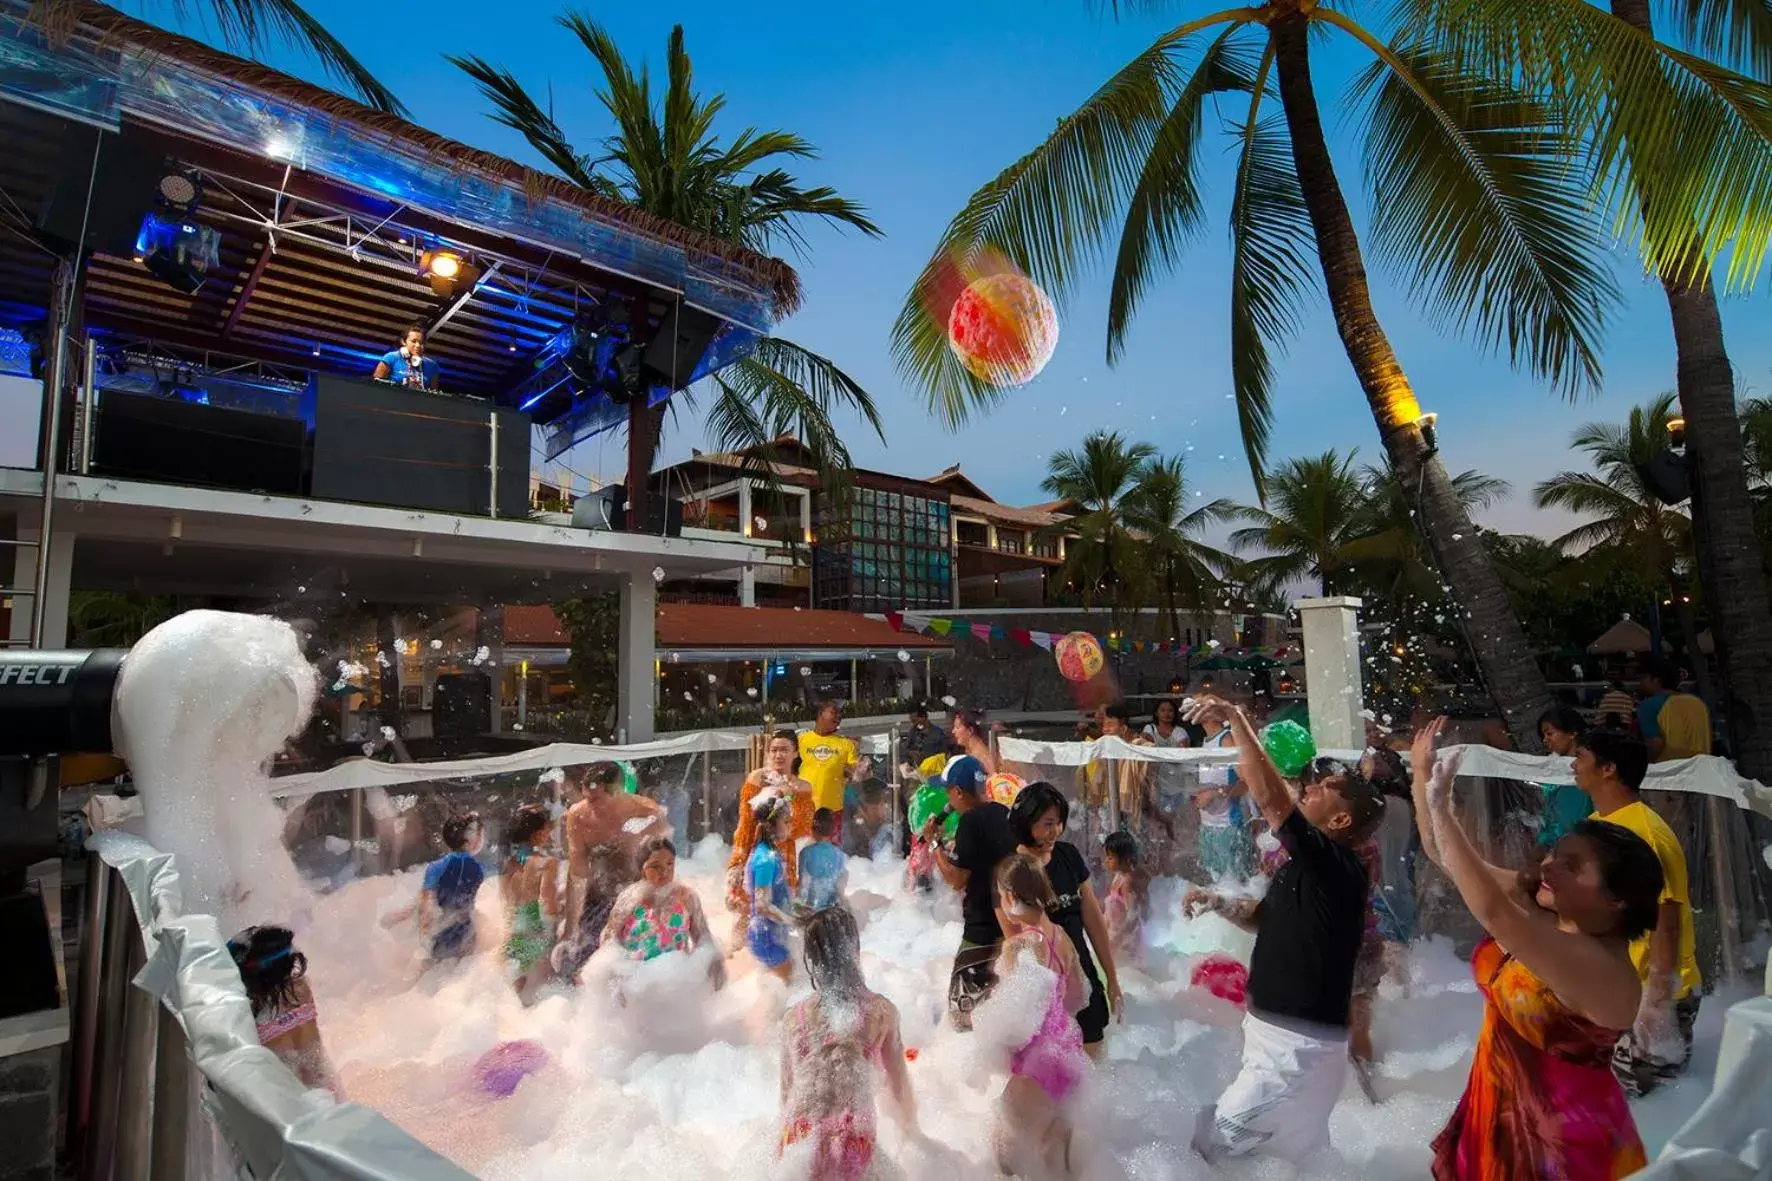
(461, 705)
(676, 350)
(141, 437)
(600, 509)
(122, 192)
(1667, 476)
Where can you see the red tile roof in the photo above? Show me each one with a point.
(705, 625)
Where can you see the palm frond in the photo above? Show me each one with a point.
(1165, 209)
(246, 23)
(1475, 204)
(513, 107)
(1680, 147)
(1048, 213)
(1272, 248)
(1734, 33)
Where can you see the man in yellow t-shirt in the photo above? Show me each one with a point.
(828, 761)
(1675, 724)
(1610, 767)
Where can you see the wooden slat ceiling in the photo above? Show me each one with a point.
(307, 294)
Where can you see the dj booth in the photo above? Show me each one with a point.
(351, 439)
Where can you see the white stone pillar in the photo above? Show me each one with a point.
(744, 507)
(636, 670)
(747, 586)
(1332, 671)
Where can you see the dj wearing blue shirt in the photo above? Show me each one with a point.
(407, 365)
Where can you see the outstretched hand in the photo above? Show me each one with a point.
(1439, 784)
(1421, 750)
(1207, 708)
(1198, 901)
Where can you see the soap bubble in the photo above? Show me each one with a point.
(658, 574)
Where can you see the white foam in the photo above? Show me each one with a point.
(202, 704)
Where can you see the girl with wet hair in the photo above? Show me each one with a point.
(659, 913)
(1128, 895)
(833, 1044)
(275, 975)
(1032, 1136)
(767, 889)
(530, 888)
(1559, 989)
(971, 732)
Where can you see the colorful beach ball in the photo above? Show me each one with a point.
(1079, 656)
(1223, 977)
(1003, 787)
(1003, 328)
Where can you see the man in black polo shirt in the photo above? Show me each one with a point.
(981, 841)
(1301, 975)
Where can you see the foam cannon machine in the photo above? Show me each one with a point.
(52, 704)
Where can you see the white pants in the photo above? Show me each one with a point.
(1279, 1103)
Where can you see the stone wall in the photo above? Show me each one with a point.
(28, 1088)
(1003, 675)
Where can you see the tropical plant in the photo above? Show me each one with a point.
(1314, 508)
(593, 625)
(665, 157)
(249, 26)
(1167, 527)
(107, 619)
(1387, 556)
(1628, 527)
(1681, 147)
(1100, 478)
(1473, 202)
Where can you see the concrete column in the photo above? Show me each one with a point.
(806, 519)
(1332, 671)
(636, 673)
(747, 586)
(990, 536)
(744, 507)
(58, 575)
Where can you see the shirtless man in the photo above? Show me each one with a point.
(604, 830)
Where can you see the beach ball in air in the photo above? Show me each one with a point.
(1079, 656)
(1003, 328)
(1002, 788)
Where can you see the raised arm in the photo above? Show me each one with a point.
(1431, 774)
(1266, 786)
(1586, 975)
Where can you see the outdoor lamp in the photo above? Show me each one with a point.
(1676, 432)
(1429, 437)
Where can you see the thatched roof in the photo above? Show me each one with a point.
(1624, 638)
(115, 28)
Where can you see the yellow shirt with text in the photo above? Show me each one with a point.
(825, 761)
(1647, 823)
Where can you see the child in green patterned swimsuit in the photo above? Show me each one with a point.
(658, 913)
(530, 885)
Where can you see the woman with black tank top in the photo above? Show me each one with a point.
(1037, 820)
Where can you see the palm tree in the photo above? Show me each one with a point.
(1314, 508)
(1628, 527)
(1682, 149)
(1100, 478)
(1157, 512)
(1472, 199)
(1388, 553)
(665, 158)
(249, 26)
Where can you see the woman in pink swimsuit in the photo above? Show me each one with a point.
(832, 1045)
(1033, 1131)
(275, 975)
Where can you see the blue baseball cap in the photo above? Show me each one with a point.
(965, 773)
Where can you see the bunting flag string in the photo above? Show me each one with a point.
(910, 621)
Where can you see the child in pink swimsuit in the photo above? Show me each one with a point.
(658, 913)
(275, 975)
(832, 1043)
(1033, 1130)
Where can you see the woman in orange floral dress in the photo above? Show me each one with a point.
(775, 777)
(1558, 988)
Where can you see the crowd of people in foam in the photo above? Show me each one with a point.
(1587, 967)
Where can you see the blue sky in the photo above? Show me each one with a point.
(914, 105)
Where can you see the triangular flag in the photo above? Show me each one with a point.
(981, 631)
(940, 626)
(1021, 636)
(1042, 640)
(896, 619)
(916, 622)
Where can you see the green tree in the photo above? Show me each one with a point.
(1472, 200)
(1628, 528)
(249, 26)
(1100, 478)
(1387, 556)
(665, 157)
(1314, 508)
(1158, 513)
(593, 625)
(1680, 145)
(107, 619)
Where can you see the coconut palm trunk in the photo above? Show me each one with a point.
(1498, 643)
(1730, 563)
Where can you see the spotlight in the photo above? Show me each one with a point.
(178, 253)
(446, 270)
(1676, 433)
(1429, 437)
(180, 192)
